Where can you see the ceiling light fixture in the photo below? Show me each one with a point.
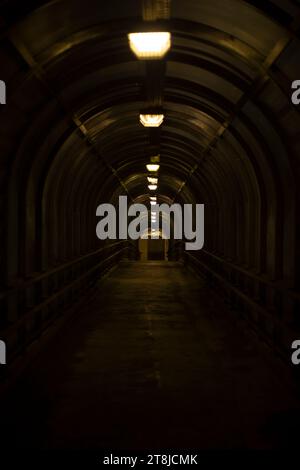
(152, 167)
(152, 180)
(152, 45)
(151, 120)
(152, 187)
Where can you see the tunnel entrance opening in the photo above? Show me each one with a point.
(153, 249)
(156, 250)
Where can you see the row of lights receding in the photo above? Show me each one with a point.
(151, 46)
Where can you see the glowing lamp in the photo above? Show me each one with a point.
(152, 167)
(152, 45)
(151, 120)
(152, 180)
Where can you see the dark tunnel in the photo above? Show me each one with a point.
(143, 344)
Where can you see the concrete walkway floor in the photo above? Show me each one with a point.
(155, 361)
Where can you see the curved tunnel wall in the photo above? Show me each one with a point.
(71, 140)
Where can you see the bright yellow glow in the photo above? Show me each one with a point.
(149, 45)
(153, 198)
(152, 187)
(152, 180)
(151, 120)
(152, 167)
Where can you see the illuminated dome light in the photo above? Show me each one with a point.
(153, 203)
(152, 45)
(152, 187)
(151, 120)
(153, 198)
(152, 180)
(152, 167)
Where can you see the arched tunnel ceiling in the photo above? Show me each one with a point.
(60, 62)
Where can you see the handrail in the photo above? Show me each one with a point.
(281, 350)
(25, 283)
(229, 285)
(29, 314)
(259, 278)
(279, 285)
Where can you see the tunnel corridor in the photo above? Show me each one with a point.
(111, 341)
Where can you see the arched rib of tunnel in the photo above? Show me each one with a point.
(71, 140)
